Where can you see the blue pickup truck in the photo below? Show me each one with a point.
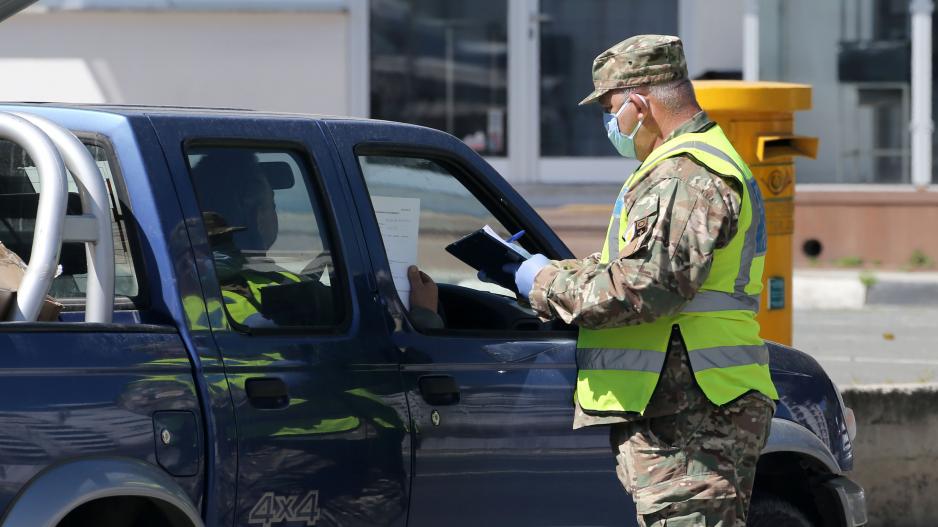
(160, 397)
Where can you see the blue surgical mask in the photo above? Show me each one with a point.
(625, 144)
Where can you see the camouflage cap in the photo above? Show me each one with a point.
(217, 225)
(638, 61)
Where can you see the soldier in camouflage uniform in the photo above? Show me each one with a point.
(684, 460)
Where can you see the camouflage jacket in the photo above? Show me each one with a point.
(684, 212)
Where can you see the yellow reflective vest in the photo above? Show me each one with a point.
(619, 367)
(245, 309)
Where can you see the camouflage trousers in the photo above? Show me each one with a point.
(695, 468)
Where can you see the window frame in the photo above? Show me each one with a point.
(316, 191)
(467, 175)
(499, 207)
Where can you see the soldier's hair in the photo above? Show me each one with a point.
(673, 96)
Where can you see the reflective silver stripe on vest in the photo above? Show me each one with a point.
(707, 301)
(619, 359)
(727, 357)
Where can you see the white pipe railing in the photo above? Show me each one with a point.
(93, 227)
(50, 215)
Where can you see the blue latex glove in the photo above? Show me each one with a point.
(524, 276)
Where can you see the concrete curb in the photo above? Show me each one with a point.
(827, 290)
(907, 293)
(845, 289)
(896, 452)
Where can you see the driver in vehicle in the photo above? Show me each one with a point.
(241, 286)
(242, 225)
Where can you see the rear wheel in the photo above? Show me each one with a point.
(767, 510)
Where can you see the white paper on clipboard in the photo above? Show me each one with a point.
(399, 221)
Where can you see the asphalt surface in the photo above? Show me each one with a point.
(875, 345)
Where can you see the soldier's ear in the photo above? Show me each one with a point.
(641, 105)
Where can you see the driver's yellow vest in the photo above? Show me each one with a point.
(619, 367)
(243, 307)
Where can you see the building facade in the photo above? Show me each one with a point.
(441, 64)
(284, 57)
(505, 76)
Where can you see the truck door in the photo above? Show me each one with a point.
(491, 390)
(321, 415)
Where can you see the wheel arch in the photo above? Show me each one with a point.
(794, 466)
(790, 437)
(60, 489)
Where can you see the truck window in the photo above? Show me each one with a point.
(19, 198)
(271, 248)
(448, 211)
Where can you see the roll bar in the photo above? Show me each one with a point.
(50, 214)
(54, 149)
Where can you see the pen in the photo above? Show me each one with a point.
(515, 236)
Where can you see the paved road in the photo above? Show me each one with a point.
(855, 347)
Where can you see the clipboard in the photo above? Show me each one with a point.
(485, 251)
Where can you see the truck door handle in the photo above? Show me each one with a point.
(439, 390)
(267, 392)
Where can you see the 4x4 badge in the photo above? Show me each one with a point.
(272, 509)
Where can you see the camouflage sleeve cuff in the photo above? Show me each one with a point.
(540, 290)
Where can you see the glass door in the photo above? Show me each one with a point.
(506, 77)
(443, 65)
(572, 142)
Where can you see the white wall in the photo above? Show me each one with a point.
(712, 34)
(290, 61)
(799, 43)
